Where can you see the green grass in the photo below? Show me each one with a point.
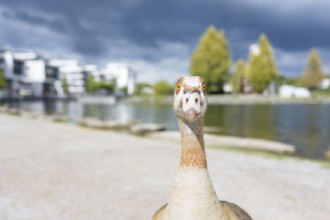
(322, 94)
(325, 164)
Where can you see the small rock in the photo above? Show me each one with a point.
(91, 122)
(142, 129)
(33, 115)
(14, 111)
(234, 142)
(60, 118)
(107, 125)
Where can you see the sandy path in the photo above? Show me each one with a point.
(59, 171)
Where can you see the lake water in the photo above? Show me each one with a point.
(306, 126)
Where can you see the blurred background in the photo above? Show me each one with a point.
(266, 64)
(113, 65)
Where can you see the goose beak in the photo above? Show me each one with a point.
(192, 114)
(191, 104)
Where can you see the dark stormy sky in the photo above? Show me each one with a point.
(157, 37)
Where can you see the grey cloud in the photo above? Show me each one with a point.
(129, 29)
(145, 22)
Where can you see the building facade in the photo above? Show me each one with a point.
(24, 72)
(28, 74)
(124, 76)
(64, 77)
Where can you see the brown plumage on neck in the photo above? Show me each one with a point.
(192, 143)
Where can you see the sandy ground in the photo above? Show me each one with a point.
(60, 171)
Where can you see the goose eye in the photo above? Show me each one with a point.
(178, 87)
(204, 87)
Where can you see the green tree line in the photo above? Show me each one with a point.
(211, 60)
(92, 86)
(3, 82)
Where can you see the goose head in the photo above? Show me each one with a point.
(189, 98)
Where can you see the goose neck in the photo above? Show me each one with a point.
(192, 143)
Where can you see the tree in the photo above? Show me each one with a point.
(239, 77)
(90, 84)
(262, 67)
(285, 80)
(3, 82)
(65, 85)
(109, 86)
(163, 88)
(211, 59)
(141, 86)
(266, 51)
(312, 74)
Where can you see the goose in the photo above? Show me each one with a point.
(193, 196)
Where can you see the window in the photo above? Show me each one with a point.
(18, 67)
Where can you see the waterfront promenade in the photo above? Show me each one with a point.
(61, 171)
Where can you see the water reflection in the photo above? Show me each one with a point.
(50, 107)
(243, 120)
(308, 125)
(305, 126)
(162, 114)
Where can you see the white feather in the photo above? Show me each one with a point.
(193, 196)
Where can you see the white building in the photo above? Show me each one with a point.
(288, 91)
(254, 49)
(124, 76)
(7, 62)
(24, 71)
(75, 78)
(325, 84)
(29, 68)
(57, 70)
(29, 73)
(94, 71)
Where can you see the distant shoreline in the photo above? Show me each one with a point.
(235, 100)
(249, 99)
